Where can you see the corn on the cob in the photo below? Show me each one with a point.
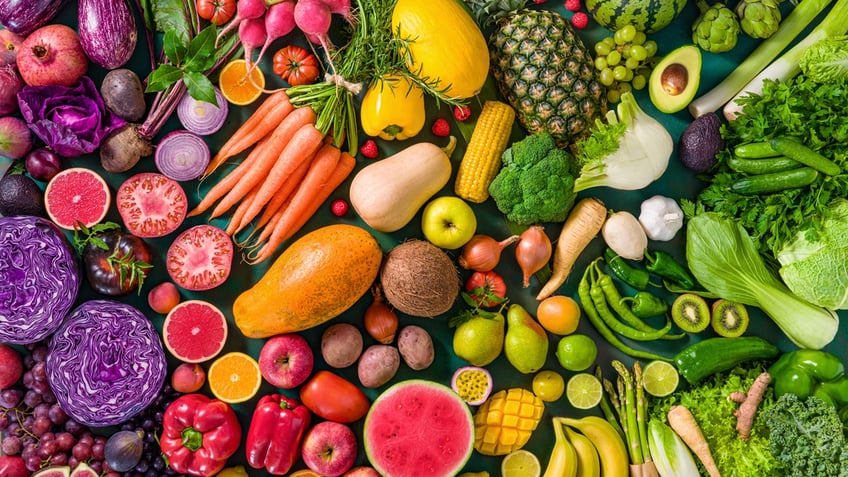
(482, 159)
(506, 420)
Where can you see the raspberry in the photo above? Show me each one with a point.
(339, 207)
(572, 5)
(580, 20)
(441, 127)
(462, 113)
(369, 149)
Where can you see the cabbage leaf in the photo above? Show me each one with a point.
(826, 60)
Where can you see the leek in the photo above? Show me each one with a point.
(670, 455)
(789, 64)
(724, 259)
(790, 27)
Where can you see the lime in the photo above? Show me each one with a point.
(521, 463)
(660, 378)
(576, 352)
(548, 385)
(584, 391)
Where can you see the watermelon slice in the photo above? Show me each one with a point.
(418, 427)
(77, 195)
(194, 331)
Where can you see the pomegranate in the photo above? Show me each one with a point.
(9, 45)
(10, 84)
(52, 55)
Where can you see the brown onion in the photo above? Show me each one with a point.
(380, 321)
(482, 253)
(533, 251)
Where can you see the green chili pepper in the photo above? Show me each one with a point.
(635, 277)
(645, 305)
(664, 265)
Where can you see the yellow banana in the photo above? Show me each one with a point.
(609, 444)
(563, 460)
(588, 461)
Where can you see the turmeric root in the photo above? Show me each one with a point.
(748, 404)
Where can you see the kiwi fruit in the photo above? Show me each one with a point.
(691, 313)
(728, 318)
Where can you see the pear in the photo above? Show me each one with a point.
(480, 339)
(526, 343)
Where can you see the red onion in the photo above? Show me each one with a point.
(182, 155)
(200, 117)
(533, 251)
(10, 84)
(42, 164)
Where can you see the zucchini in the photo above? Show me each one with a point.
(714, 355)
(775, 181)
(755, 150)
(762, 166)
(803, 154)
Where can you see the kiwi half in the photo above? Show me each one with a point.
(729, 319)
(691, 313)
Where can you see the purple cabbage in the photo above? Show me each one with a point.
(39, 279)
(105, 364)
(71, 120)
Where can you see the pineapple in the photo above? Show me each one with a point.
(542, 69)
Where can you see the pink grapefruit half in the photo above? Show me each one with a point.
(77, 195)
(195, 331)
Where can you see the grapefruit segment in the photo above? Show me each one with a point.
(77, 195)
(195, 331)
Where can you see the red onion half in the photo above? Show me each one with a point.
(182, 155)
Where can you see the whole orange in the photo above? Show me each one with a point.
(559, 314)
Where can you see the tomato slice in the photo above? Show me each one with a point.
(200, 258)
(151, 204)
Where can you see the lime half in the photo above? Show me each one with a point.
(521, 463)
(584, 391)
(660, 378)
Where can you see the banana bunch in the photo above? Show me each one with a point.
(587, 447)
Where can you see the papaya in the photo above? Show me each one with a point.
(315, 279)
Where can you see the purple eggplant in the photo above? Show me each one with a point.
(107, 31)
(24, 16)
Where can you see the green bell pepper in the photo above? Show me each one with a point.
(807, 372)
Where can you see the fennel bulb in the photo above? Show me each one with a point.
(723, 258)
(628, 152)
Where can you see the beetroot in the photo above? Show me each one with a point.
(10, 84)
(52, 55)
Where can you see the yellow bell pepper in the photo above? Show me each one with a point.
(393, 108)
(237, 471)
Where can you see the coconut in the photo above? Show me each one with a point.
(419, 279)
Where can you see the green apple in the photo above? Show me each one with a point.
(448, 222)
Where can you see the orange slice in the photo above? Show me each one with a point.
(234, 377)
(237, 87)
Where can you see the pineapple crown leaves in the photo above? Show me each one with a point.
(487, 12)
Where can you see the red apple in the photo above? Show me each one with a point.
(362, 471)
(286, 360)
(188, 378)
(11, 366)
(329, 448)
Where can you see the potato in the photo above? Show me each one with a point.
(378, 365)
(416, 347)
(123, 94)
(341, 345)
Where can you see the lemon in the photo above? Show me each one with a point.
(521, 463)
(584, 391)
(660, 378)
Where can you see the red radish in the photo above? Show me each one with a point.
(15, 138)
(245, 10)
(10, 84)
(313, 17)
(252, 35)
(10, 43)
(340, 7)
(52, 55)
(279, 22)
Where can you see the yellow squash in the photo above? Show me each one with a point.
(445, 45)
(315, 279)
(393, 108)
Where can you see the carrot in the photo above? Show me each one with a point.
(261, 122)
(583, 223)
(280, 196)
(316, 188)
(228, 181)
(683, 423)
(236, 219)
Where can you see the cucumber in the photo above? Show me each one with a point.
(803, 154)
(755, 150)
(775, 181)
(762, 166)
(714, 355)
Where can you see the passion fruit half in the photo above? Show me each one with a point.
(473, 384)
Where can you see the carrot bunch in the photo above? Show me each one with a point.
(281, 182)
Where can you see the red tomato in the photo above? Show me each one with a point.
(217, 12)
(151, 205)
(334, 398)
(486, 288)
(296, 65)
(200, 258)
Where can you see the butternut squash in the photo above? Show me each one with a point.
(444, 43)
(388, 193)
(315, 279)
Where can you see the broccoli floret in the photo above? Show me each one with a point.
(806, 434)
(536, 182)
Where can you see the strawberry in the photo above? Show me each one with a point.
(369, 149)
(580, 20)
(462, 113)
(441, 127)
(339, 207)
(572, 5)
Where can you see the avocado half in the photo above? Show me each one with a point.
(675, 79)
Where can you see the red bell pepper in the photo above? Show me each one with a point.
(275, 433)
(199, 434)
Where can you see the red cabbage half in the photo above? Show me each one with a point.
(105, 364)
(39, 279)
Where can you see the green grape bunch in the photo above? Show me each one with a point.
(624, 61)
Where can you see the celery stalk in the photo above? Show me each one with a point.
(790, 27)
